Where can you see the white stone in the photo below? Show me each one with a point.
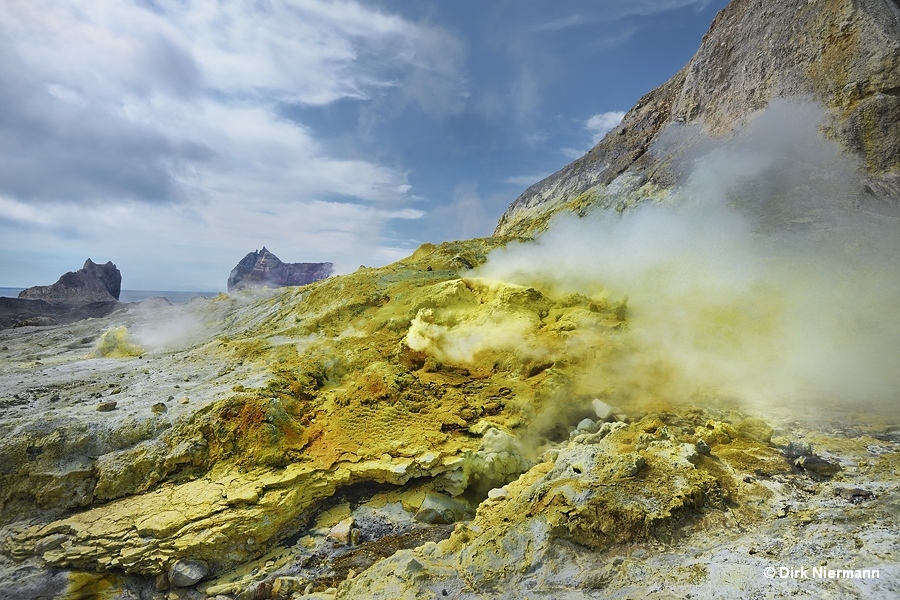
(341, 532)
(603, 410)
(497, 494)
(586, 425)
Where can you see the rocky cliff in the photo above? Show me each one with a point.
(91, 283)
(261, 268)
(841, 55)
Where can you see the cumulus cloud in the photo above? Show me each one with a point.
(601, 124)
(118, 101)
(598, 126)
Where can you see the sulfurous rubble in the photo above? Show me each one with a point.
(358, 439)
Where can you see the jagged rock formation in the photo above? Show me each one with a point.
(843, 55)
(91, 283)
(92, 291)
(261, 268)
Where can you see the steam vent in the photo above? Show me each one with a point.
(671, 372)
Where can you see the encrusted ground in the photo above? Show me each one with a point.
(286, 439)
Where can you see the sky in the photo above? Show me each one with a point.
(173, 137)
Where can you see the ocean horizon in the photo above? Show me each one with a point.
(132, 295)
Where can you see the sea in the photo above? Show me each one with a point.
(132, 295)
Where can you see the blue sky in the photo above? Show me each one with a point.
(174, 136)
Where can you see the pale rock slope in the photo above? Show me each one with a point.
(843, 56)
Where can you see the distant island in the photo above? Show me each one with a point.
(261, 268)
(92, 291)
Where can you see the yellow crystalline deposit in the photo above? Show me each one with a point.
(643, 482)
(383, 375)
(116, 343)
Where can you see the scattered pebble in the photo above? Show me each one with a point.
(408, 568)
(586, 425)
(159, 408)
(497, 494)
(603, 410)
(854, 495)
(107, 406)
(702, 447)
(340, 533)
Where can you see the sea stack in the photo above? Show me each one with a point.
(261, 268)
(92, 283)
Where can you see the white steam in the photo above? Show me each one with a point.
(168, 327)
(763, 275)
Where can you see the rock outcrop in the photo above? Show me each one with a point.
(261, 268)
(842, 55)
(91, 292)
(91, 283)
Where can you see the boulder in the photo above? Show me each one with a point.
(185, 573)
(261, 268)
(439, 508)
(92, 283)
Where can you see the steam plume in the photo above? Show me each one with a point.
(765, 274)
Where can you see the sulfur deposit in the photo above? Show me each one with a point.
(351, 405)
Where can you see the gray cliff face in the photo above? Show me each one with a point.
(264, 269)
(92, 283)
(842, 55)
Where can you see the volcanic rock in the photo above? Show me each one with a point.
(92, 283)
(843, 55)
(186, 573)
(261, 268)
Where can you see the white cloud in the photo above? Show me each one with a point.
(573, 153)
(601, 124)
(154, 245)
(526, 180)
(116, 100)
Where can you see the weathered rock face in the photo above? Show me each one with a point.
(841, 54)
(92, 283)
(263, 269)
